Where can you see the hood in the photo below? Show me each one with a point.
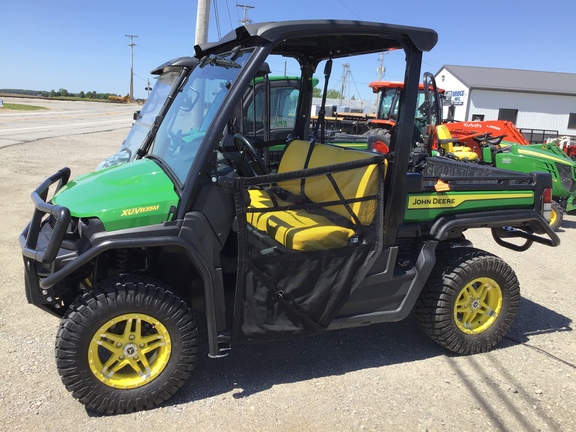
(131, 195)
(548, 152)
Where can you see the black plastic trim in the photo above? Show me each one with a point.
(424, 265)
(498, 219)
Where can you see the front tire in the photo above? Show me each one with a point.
(469, 301)
(126, 347)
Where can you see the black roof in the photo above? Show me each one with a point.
(323, 39)
(178, 62)
(517, 80)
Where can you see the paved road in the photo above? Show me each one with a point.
(60, 118)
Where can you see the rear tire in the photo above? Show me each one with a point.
(126, 347)
(469, 301)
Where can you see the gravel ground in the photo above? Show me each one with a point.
(384, 377)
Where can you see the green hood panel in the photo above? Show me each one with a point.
(131, 195)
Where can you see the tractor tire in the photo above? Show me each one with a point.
(469, 302)
(556, 216)
(379, 140)
(126, 346)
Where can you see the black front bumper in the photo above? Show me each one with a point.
(41, 244)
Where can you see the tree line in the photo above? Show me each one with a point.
(59, 93)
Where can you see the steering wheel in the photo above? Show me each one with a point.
(250, 160)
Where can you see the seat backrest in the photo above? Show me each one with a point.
(444, 138)
(294, 156)
(353, 183)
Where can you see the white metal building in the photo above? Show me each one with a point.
(543, 101)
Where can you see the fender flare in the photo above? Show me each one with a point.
(205, 273)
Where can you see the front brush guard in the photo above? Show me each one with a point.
(29, 237)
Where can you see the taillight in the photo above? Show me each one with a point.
(547, 204)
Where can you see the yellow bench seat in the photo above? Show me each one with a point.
(304, 230)
(296, 229)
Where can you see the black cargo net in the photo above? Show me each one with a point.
(306, 239)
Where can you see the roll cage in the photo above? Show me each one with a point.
(311, 42)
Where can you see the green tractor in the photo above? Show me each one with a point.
(193, 227)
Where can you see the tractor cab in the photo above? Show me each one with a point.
(388, 97)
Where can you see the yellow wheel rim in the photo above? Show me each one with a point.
(553, 216)
(129, 351)
(478, 305)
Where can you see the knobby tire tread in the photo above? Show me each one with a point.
(112, 296)
(434, 308)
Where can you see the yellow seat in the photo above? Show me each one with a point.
(452, 146)
(305, 231)
(295, 229)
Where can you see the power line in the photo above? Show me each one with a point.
(229, 16)
(356, 87)
(217, 19)
(354, 13)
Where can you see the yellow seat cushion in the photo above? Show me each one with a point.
(443, 133)
(296, 229)
(463, 152)
(303, 231)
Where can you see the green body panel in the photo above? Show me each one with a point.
(538, 158)
(131, 195)
(422, 207)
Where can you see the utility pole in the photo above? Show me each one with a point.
(201, 37)
(131, 45)
(202, 20)
(381, 71)
(345, 74)
(245, 20)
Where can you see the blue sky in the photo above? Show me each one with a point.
(81, 45)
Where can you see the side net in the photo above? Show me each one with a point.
(306, 240)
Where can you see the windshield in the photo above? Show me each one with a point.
(144, 121)
(195, 106)
(386, 98)
(388, 108)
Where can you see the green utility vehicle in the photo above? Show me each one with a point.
(197, 226)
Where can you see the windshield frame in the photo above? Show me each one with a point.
(182, 133)
(213, 136)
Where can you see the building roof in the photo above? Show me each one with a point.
(516, 80)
